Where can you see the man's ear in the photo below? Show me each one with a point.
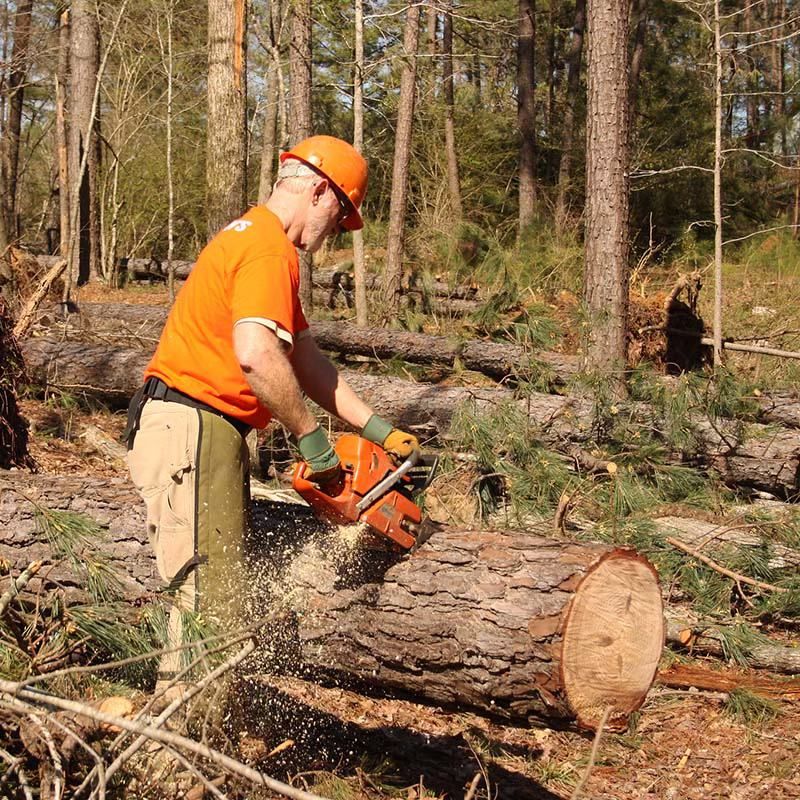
(320, 189)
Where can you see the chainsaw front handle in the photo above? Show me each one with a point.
(390, 480)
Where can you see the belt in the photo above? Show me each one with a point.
(156, 389)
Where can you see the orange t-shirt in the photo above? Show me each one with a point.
(249, 271)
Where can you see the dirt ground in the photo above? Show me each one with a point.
(682, 745)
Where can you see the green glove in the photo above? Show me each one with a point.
(323, 463)
(397, 443)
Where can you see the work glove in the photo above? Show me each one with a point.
(398, 444)
(323, 464)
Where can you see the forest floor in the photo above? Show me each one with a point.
(682, 745)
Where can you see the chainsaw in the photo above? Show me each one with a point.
(372, 490)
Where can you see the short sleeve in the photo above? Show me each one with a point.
(265, 289)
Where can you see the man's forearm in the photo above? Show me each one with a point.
(322, 382)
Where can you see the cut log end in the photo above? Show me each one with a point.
(612, 640)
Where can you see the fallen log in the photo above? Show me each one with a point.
(499, 360)
(765, 459)
(338, 279)
(115, 321)
(708, 638)
(505, 622)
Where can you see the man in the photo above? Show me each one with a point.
(236, 351)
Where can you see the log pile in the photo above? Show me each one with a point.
(767, 460)
(509, 623)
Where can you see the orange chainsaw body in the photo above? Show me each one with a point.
(364, 465)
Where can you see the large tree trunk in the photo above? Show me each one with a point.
(766, 459)
(565, 168)
(16, 93)
(393, 271)
(453, 182)
(526, 111)
(273, 100)
(359, 260)
(84, 67)
(300, 53)
(226, 140)
(606, 272)
(508, 623)
(62, 136)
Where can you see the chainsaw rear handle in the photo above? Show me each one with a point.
(390, 480)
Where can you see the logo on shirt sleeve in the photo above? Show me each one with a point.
(238, 225)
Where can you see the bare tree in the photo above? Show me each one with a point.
(16, 92)
(273, 100)
(359, 267)
(83, 142)
(62, 147)
(640, 9)
(300, 109)
(402, 156)
(607, 248)
(526, 111)
(569, 121)
(226, 138)
(453, 182)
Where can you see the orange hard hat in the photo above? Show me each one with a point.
(342, 165)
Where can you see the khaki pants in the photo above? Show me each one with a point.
(192, 469)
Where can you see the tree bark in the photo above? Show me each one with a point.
(273, 101)
(84, 68)
(61, 134)
(117, 322)
(393, 271)
(606, 248)
(526, 111)
(569, 121)
(16, 93)
(764, 459)
(453, 181)
(226, 140)
(508, 623)
(359, 261)
(300, 53)
(637, 55)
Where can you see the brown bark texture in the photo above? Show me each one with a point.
(16, 92)
(575, 58)
(764, 458)
(606, 248)
(122, 322)
(393, 271)
(473, 619)
(453, 182)
(526, 110)
(84, 65)
(226, 187)
(300, 54)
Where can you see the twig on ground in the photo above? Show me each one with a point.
(15, 766)
(26, 315)
(473, 787)
(15, 690)
(592, 755)
(18, 584)
(58, 766)
(723, 570)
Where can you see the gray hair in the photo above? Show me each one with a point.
(295, 176)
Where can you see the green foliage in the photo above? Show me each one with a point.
(750, 708)
(75, 538)
(738, 642)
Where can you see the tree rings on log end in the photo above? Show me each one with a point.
(612, 639)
